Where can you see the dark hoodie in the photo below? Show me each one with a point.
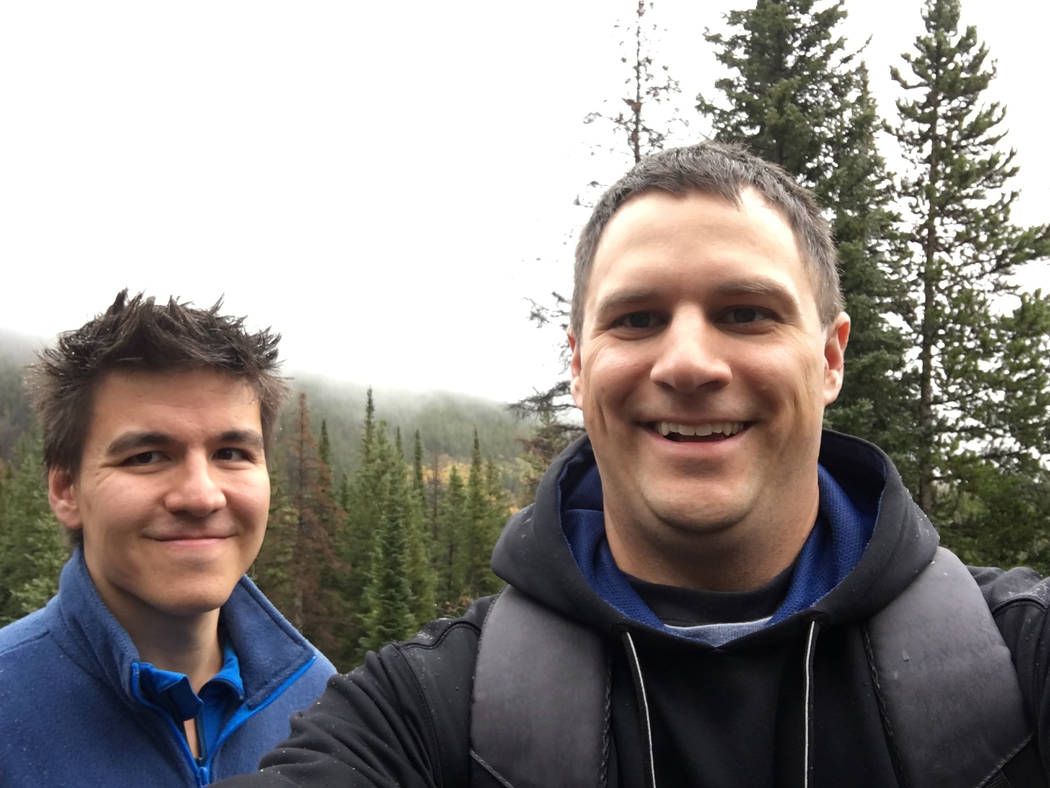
(730, 715)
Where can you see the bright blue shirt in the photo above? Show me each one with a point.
(219, 696)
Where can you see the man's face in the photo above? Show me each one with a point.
(172, 493)
(702, 371)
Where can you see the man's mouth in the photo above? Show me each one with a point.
(709, 431)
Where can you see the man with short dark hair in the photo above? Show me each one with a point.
(158, 663)
(709, 590)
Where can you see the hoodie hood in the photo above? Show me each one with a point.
(858, 481)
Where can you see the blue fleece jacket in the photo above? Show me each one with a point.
(73, 708)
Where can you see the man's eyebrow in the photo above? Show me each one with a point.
(625, 299)
(762, 287)
(130, 441)
(745, 286)
(250, 438)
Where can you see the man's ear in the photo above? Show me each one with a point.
(62, 495)
(835, 341)
(574, 368)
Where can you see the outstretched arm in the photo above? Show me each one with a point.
(400, 719)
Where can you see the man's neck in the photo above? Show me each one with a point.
(732, 559)
(188, 645)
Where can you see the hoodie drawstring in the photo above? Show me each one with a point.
(807, 698)
(807, 701)
(639, 688)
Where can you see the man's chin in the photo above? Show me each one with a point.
(194, 602)
(691, 508)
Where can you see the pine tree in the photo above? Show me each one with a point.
(391, 586)
(795, 96)
(324, 446)
(33, 547)
(274, 567)
(471, 516)
(433, 504)
(368, 428)
(417, 468)
(787, 76)
(386, 603)
(453, 522)
(355, 540)
(422, 580)
(982, 346)
(306, 524)
(476, 540)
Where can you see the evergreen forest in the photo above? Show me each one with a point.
(383, 512)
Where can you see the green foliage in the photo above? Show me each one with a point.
(547, 441)
(453, 522)
(33, 546)
(16, 417)
(789, 79)
(387, 603)
(300, 560)
(999, 517)
(273, 570)
(982, 378)
(395, 515)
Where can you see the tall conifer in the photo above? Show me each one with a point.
(982, 346)
(453, 522)
(307, 525)
(386, 603)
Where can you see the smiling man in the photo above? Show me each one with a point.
(709, 589)
(158, 663)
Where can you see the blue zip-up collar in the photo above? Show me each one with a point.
(96, 641)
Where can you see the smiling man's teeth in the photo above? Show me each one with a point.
(726, 428)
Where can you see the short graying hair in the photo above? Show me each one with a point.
(722, 169)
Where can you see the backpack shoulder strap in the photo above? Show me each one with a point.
(951, 702)
(539, 716)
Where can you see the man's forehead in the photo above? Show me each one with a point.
(189, 388)
(640, 223)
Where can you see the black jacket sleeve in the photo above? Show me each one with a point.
(1020, 600)
(400, 719)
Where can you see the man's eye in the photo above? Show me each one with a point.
(143, 458)
(639, 320)
(229, 454)
(745, 314)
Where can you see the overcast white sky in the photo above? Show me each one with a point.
(383, 183)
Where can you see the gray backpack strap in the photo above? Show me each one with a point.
(951, 702)
(521, 690)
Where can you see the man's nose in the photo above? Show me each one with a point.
(691, 354)
(194, 490)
